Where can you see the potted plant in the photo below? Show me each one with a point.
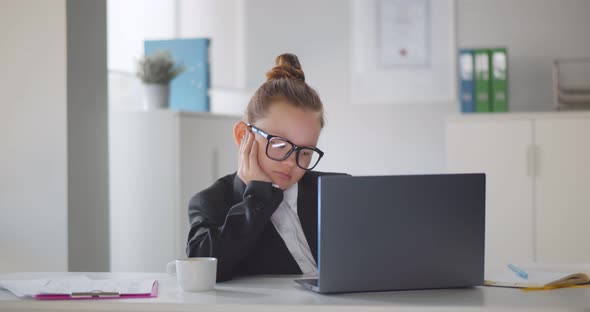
(156, 71)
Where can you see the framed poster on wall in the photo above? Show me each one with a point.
(403, 51)
(404, 32)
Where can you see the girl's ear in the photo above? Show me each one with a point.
(240, 129)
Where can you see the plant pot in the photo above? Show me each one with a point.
(155, 96)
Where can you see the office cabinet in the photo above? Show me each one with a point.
(158, 160)
(536, 165)
(562, 188)
(478, 145)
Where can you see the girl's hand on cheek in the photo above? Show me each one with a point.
(248, 168)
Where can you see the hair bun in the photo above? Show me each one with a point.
(287, 66)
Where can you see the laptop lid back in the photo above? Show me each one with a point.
(401, 232)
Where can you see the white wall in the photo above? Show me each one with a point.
(535, 32)
(33, 167)
(223, 22)
(130, 22)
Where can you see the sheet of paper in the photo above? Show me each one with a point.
(29, 288)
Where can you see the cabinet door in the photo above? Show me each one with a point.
(142, 174)
(207, 153)
(500, 149)
(562, 192)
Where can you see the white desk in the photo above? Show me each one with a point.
(267, 293)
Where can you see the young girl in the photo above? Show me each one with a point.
(263, 219)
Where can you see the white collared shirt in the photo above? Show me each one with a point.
(286, 222)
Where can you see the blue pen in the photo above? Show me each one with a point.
(518, 271)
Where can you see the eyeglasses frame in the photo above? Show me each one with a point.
(295, 148)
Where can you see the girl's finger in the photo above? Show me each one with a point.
(254, 154)
(247, 149)
(247, 143)
(242, 146)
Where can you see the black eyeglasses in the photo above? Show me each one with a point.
(279, 149)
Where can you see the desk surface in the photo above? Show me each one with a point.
(280, 293)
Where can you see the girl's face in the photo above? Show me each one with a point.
(294, 124)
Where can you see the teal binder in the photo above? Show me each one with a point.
(466, 80)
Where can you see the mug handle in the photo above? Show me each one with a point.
(171, 268)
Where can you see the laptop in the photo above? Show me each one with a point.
(381, 233)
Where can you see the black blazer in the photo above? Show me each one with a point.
(231, 221)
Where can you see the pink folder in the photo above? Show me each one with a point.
(98, 295)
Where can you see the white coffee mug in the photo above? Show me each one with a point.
(194, 274)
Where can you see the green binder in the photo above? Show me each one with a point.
(482, 81)
(499, 82)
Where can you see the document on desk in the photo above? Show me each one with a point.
(536, 278)
(81, 287)
(31, 287)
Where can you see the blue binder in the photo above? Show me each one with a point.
(466, 75)
(190, 90)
